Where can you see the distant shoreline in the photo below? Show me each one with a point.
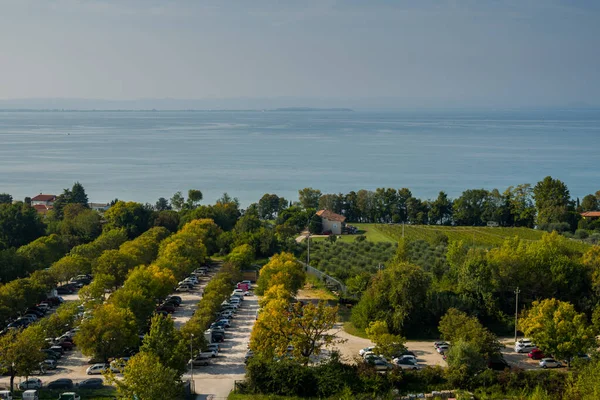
(290, 109)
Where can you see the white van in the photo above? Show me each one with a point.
(5, 395)
(30, 395)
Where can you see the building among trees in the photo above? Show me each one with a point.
(332, 222)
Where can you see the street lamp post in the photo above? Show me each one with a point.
(308, 251)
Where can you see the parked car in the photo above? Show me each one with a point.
(380, 364)
(51, 354)
(406, 364)
(550, 363)
(166, 307)
(214, 347)
(92, 383)
(96, 369)
(30, 383)
(201, 359)
(228, 314)
(524, 346)
(248, 356)
(69, 396)
(440, 343)
(224, 322)
(408, 358)
(177, 299)
(498, 364)
(362, 352)
(66, 344)
(60, 384)
(57, 349)
(48, 365)
(443, 348)
(536, 354)
(184, 288)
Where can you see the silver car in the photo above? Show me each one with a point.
(550, 363)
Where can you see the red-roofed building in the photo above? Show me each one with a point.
(43, 199)
(332, 222)
(591, 215)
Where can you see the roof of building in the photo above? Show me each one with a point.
(98, 205)
(44, 197)
(590, 214)
(330, 215)
(42, 208)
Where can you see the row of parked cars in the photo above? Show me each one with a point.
(404, 360)
(189, 284)
(215, 334)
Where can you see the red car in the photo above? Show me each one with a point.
(536, 354)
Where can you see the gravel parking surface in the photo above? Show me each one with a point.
(216, 381)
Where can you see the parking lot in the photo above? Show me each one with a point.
(73, 364)
(217, 379)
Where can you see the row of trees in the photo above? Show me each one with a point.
(548, 202)
(163, 260)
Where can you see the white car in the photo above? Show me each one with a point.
(524, 346)
(182, 289)
(550, 363)
(96, 369)
(31, 383)
(362, 352)
(405, 364)
(443, 348)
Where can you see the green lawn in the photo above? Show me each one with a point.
(369, 230)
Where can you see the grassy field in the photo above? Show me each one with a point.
(478, 235)
(315, 289)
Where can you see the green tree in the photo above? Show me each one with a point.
(385, 343)
(552, 200)
(134, 300)
(241, 256)
(309, 197)
(520, 203)
(585, 385)
(590, 203)
(396, 295)
(43, 251)
(69, 266)
(177, 201)
(114, 263)
(19, 225)
(557, 328)
(109, 332)
(145, 378)
(469, 208)
(464, 362)
(5, 198)
(166, 343)
(440, 211)
(456, 326)
(283, 269)
(78, 195)
(20, 353)
(134, 217)
(162, 204)
(194, 198)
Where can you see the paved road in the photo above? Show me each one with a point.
(216, 380)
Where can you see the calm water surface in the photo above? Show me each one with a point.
(145, 155)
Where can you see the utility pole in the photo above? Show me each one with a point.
(517, 291)
(192, 361)
(308, 251)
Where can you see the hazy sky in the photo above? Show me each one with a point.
(420, 52)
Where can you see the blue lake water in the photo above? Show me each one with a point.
(145, 155)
